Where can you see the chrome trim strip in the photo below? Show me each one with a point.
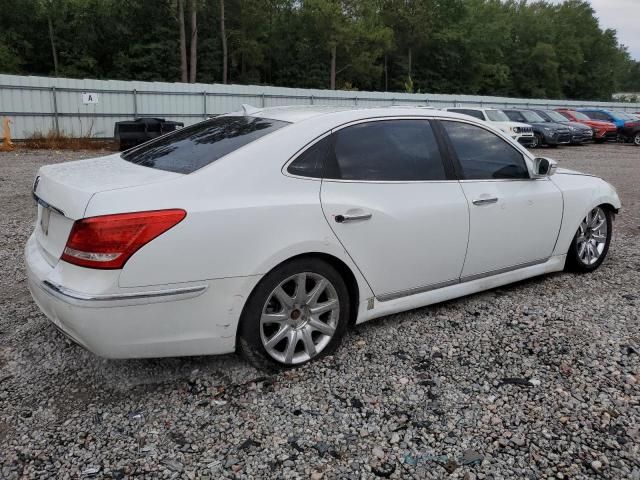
(414, 291)
(45, 204)
(470, 278)
(491, 273)
(75, 297)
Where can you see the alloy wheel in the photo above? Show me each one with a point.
(535, 142)
(592, 236)
(636, 139)
(299, 318)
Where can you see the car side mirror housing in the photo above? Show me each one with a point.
(544, 167)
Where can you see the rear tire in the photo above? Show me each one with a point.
(591, 242)
(636, 139)
(297, 313)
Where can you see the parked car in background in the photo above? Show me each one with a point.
(603, 131)
(605, 116)
(272, 231)
(521, 132)
(580, 134)
(630, 132)
(545, 133)
(627, 124)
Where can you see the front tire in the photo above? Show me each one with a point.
(536, 142)
(591, 242)
(297, 313)
(636, 139)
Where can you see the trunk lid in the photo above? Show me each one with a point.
(64, 190)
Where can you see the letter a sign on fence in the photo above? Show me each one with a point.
(89, 97)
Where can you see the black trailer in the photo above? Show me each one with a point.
(130, 133)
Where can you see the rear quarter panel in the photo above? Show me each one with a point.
(244, 216)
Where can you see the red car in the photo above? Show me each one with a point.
(602, 131)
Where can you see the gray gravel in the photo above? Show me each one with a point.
(535, 380)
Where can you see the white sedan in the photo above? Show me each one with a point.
(272, 231)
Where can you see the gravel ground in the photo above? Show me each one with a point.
(536, 380)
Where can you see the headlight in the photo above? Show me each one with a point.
(546, 129)
(516, 129)
(573, 129)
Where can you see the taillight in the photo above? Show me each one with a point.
(108, 241)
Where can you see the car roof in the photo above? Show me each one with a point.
(298, 113)
(481, 109)
(593, 109)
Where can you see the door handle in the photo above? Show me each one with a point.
(485, 201)
(352, 218)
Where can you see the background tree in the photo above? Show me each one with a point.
(193, 44)
(490, 47)
(183, 43)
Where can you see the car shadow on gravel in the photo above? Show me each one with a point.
(456, 303)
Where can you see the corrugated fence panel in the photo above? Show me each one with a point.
(42, 104)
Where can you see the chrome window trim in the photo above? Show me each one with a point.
(469, 278)
(512, 142)
(504, 180)
(120, 299)
(391, 182)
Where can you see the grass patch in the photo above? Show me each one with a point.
(59, 141)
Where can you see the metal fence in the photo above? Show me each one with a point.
(89, 108)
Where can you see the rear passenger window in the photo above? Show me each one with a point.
(483, 155)
(393, 150)
(310, 163)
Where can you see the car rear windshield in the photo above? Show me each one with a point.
(580, 116)
(194, 147)
(496, 115)
(556, 117)
(532, 117)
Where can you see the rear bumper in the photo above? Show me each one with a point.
(163, 321)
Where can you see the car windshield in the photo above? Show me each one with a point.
(194, 147)
(556, 117)
(580, 116)
(532, 117)
(624, 116)
(496, 115)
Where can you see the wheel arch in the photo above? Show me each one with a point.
(350, 277)
(581, 193)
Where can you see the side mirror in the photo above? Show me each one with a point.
(544, 167)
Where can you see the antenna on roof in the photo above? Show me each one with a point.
(249, 109)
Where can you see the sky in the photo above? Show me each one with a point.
(623, 16)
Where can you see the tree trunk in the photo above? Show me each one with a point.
(193, 45)
(183, 43)
(53, 46)
(223, 34)
(386, 74)
(409, 62)
(333, 66)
